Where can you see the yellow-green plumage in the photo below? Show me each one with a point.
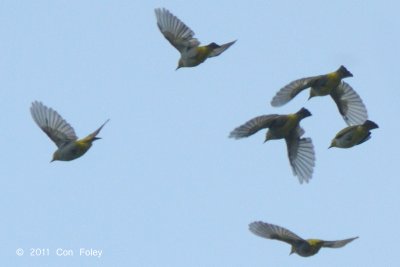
(84, 145)
(202, 53)
(315, 242)
(353, 135)
(325, 85)
(282, 126)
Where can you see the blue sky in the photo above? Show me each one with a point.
(166, 186)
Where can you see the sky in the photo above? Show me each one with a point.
(165, 186)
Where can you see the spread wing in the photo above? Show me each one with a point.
(175, 31)
(338, 243)
(272, 231)
(52, 124)
(350, 105)
(288, 92)
(301, 155)
(253, 126)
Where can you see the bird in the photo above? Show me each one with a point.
(61, 133)
(349, 103)
(300, 246)
(300, 150)
(354, 135)
(182, 38)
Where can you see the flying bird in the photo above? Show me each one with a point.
(349, 103)
(300, 150)
(300, 246)
(354, 135)
(182, 38)
(61, 133)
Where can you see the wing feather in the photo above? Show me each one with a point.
(338, 243)
(292, 89)
(59, 131)
(272, 231)
(175, 31)
(253, 126)
(301, 156)
(350, 105)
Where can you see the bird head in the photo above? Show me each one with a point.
(268, 136)
(56, 156)
(333, 143)
(344, 72)
(180, 64)
(312, 94)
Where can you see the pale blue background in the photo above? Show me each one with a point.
(165, 186)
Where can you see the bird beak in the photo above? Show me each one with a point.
(177, 68)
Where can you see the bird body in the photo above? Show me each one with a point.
(300, 150)
(347, 100)
(300, 246)
(61, 133)
(353, 135)
(283, 125)
(306, 248)
(194, 56)
(76, 149)
(182, 38)
(324, 84)
(71, 150)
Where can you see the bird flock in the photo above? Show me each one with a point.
(280, 126)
